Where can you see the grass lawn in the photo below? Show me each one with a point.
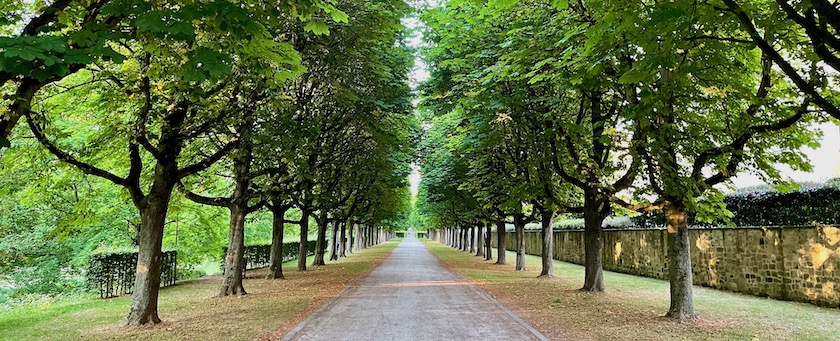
(191, 311)
(632, 307)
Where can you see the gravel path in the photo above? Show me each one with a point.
(411, 296)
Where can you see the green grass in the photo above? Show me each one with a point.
(190, 309)
(632, 306)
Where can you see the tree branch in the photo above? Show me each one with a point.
(69, 159)
(209, 161)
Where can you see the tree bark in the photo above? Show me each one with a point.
(144, 299)
(357, 238)
(501, 241)
(234, 260)
(275, 268)
(472, 239)
(488, 247)
(321, 242)
(334, 240)
(343, 248)
(362, 237)
(304, 239)
(479, 244)
(547, 244)
(519, 226)
(464, 232)
(593, 219)
(366, 239)
(679, 260)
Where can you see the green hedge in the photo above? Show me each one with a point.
(811, 205)
(259, 256)
(112, 274)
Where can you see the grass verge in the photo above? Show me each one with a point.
(632, 307)
(191, 311)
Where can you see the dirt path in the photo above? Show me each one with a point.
(411, 296)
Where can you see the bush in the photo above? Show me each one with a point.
(112, 274)
(811, 204)
(259, 256)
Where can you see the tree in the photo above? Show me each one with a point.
(710, 110)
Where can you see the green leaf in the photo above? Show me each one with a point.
(560, 4)
(503, 3)
(317, 26)
(4, 142)
(206, 64)
(632, 77)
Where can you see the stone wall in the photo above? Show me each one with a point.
(788, 263)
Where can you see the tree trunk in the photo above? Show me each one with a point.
(321, 242)
(275, 269)
(144, 300)
(464, 232)
(304, 239)
(519, 226)
(488, 248)
(456, 236)
(343, 248)
(501, 241)
(547, 244)
(358, 235)
(466, 247)
(472, 239)
(479, 244)
(679, 260)
(362, 237)
(234, 260)
(366, 239)
(593, 244)
(334, 240)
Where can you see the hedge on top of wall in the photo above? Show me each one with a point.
(812, 204)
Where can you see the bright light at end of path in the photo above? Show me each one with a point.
(414, 179)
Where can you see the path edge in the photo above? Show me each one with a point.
(492, 299)
(294, 331)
